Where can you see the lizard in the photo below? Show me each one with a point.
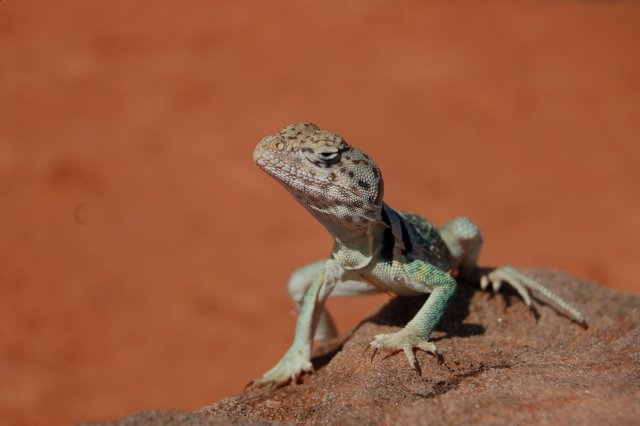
(376, 248)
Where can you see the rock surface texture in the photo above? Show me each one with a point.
(498, 363)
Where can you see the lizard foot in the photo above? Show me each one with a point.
(405, 341)
(522, 283)
(509, 275)
(289, 369)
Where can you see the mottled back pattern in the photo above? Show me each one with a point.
(428, 239)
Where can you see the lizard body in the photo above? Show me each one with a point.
(376, 248)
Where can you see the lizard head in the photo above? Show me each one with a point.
(339, 184)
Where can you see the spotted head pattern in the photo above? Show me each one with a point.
(338, 183)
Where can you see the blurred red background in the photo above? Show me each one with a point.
(143, 257)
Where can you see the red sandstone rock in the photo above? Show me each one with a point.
(498, 364)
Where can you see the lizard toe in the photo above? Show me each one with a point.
(403, 341)
(289, 369)
(508, 275)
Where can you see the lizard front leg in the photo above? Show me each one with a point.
(300, 282)
(297, 359)
(415, 335)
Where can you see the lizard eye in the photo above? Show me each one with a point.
(328, 156)
(324, 156)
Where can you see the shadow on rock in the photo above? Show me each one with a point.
(400, 310)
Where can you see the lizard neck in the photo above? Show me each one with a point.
(354, 252)
(355, 249)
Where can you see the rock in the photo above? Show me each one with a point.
(182, 418)
(498, 363)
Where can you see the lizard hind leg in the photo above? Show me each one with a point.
(464, 241)
(299, 283)
(522, 283)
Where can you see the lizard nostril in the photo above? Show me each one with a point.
(279, 146)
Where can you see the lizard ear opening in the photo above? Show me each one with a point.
(378, 200)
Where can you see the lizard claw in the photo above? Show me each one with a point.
(405, 341)
(290, 368)
(373, 355)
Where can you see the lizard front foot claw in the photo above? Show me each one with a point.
(290, 368)
(405, 341)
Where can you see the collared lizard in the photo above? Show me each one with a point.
(376, 248)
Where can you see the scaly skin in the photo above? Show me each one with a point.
(375, 247)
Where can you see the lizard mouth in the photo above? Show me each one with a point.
(259, 154)
(291, 177)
